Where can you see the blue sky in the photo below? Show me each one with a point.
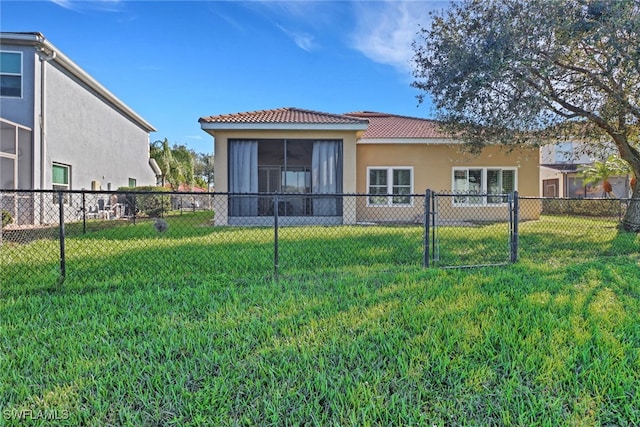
(175, 61)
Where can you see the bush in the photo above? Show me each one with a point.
(6, 218)
(152, 205)
(608, 208)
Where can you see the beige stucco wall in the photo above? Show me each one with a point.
(221, 139)
(433, 169)
(548, 173)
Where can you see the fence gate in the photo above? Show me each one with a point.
(470, 230)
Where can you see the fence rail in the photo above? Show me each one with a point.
(49, 236)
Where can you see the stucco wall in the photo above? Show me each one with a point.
(85, 132)
(433, 169)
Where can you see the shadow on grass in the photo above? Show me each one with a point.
(544, 246)
(373, 348)
(469, 246)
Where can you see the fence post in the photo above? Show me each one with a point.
(1, 224)
(63, 267)
(84, 214)
(515, 218)
(276, 204)
(134, 208)
(427, 228)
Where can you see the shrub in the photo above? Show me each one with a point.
(609, 208)
(6, 218)
(152, 205)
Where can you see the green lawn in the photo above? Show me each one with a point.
(188, 327)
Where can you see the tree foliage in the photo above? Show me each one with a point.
(602, 170)
(514, 71)
(204, 168)
(177, 163)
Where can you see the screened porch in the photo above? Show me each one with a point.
(306, 173)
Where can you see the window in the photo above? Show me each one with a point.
(390, 186)
(478, 186)
(11, 74)
(60, 180)
(132, 182)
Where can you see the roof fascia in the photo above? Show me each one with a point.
(47, 48)
(283, 126)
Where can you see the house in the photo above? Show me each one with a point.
(194, 198)
(561, 164)
(60, 128)
(387, 156)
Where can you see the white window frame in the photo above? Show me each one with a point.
(65, 187)
(390, 185)
(484, 186)
(21, 75)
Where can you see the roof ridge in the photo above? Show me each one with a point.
(304, 110)
(381, 114)
(300, 115)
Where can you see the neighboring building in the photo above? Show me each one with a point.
(60, 128)
(387, 156)
(560, 167)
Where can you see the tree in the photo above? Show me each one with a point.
(517, 72)
(176, 164)
(182, 170)
(601, 171)
(161, 152)
(204, 168)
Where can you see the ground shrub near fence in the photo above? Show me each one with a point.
(605, 208)
(147, 203)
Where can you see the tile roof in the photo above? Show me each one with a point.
(384, 126)
(284, 115)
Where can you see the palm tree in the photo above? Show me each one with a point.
(161, 152)
(601, 171)
(176, 164)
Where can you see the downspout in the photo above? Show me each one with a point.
(43, 61)
(43, 146)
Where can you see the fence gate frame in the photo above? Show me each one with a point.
(431, 244)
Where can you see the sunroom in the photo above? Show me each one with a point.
(306, 174)
(288, 163)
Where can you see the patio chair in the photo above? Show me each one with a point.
(92, 213)
(104, 209)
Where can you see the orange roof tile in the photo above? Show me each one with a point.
(390, 126)
(284, 115)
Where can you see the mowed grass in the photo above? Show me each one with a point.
(189, 327)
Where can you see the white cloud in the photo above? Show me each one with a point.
(304, 41)
(63, 3)
(83, 5)
(384, 31)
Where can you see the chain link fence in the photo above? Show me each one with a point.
(93, 236)
(151, 236)
(471, 230)
(574, 229)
